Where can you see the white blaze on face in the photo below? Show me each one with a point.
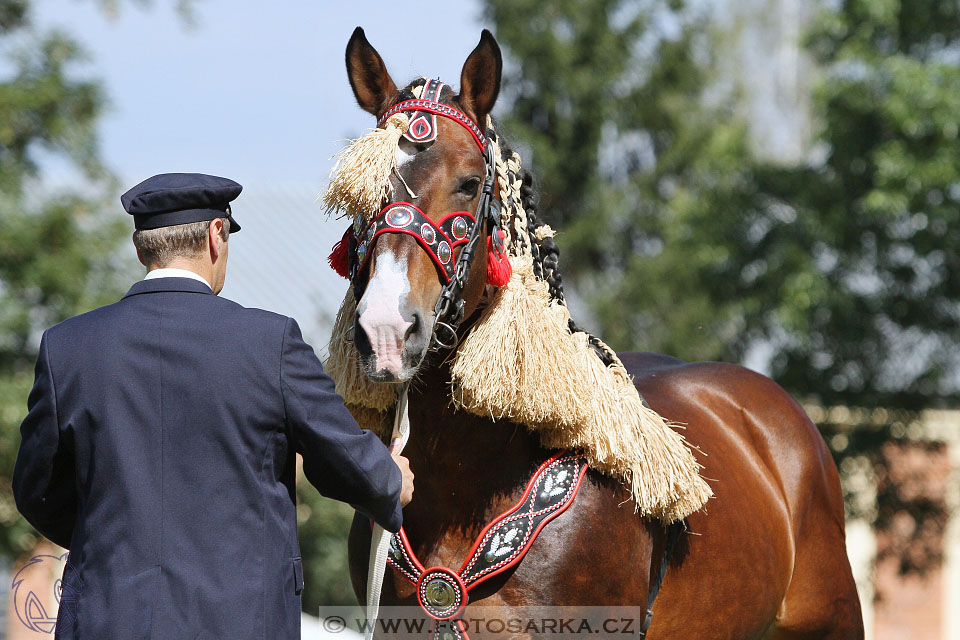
(379, 312)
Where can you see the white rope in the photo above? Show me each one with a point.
(380, 541)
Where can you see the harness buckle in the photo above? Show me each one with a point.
(454, 337)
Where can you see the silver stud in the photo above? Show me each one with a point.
(427, 233)
(459, 228)
(443, 252)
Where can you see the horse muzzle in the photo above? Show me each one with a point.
(392, 350)
(392, 332)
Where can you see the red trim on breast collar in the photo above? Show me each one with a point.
(468, 571)
(531, 536)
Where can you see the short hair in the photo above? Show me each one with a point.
(158, 247)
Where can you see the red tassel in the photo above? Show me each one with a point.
(499, 268)
(338, 259)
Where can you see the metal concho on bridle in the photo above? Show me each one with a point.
(438, 239)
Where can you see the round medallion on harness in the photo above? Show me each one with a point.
(459, 228)
(441, 593)
(427, 233)
(399, 217)
(443, 252)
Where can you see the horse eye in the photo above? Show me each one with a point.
(469, 186)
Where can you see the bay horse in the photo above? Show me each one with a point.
(765, 558)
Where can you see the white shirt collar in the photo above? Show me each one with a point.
(176, 273)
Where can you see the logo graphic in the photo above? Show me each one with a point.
(36, 603)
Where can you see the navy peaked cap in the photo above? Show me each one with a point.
(170, 199)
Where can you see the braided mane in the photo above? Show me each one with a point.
(524, 359)
(544, 250)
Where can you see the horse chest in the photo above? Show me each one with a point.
(441, 589)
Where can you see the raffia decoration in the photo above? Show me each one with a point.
(360, 179)
(521, 362)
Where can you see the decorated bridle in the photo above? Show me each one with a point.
(439, 240)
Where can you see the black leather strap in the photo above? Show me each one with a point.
(673, 535)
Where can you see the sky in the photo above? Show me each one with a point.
(256, 92)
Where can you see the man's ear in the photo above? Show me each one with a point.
(215, 238)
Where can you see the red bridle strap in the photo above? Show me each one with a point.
(431, 106)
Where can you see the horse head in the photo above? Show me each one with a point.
(433, 214)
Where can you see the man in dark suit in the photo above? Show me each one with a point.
(160, 442)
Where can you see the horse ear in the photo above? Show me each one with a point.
(480, 78)
(372, 85)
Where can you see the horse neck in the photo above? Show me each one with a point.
(465, 465)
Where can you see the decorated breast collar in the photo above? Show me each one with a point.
(442, 592)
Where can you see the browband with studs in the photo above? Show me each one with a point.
(432, 106)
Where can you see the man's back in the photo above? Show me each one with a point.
(177, 415)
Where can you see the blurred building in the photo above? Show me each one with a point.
(279, 262)
(924, 466)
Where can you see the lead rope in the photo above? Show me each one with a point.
(380, 540)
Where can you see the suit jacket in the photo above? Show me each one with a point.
(159, 448)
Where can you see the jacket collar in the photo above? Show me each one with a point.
(159, 285)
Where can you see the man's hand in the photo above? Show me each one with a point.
(406, 490)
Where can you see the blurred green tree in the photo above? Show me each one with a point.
(842, 268)
(681, 240)
(638, 174)
(58, 251)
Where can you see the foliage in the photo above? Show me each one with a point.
(841, 270)
(323, 525)
(841, 266)
(58, 251)
(59, 256)
(631, 167)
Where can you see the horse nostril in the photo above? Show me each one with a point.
(360, 339)
(414, 326)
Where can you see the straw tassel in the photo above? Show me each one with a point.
(361, 177)
(520, 362)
